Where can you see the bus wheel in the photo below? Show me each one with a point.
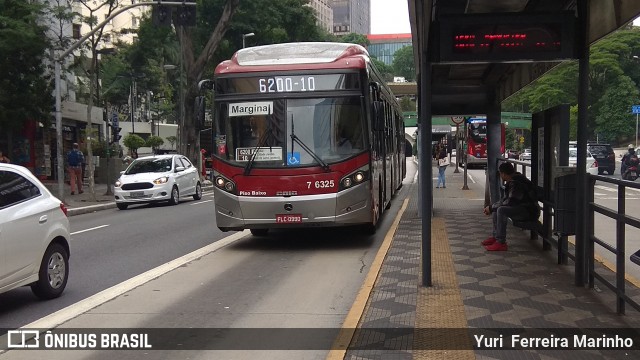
(259, 232)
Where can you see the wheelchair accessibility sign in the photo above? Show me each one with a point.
(293, 158)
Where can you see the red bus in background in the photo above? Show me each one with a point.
(305, 135)
(475, 140)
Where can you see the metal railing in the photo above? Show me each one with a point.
(619, 250)
(622, 219)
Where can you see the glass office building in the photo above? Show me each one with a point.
(384, 47)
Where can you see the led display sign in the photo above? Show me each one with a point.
(510, 37)
(273, 84)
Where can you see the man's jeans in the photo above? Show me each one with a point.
(501, 216)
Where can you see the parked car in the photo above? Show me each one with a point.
(605, 156)
(157, 178)
(34, 236)
(592, 163)
(526, 155)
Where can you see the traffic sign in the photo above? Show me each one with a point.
(635, 109)
(457, 119)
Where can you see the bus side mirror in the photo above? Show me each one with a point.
(198, 110)
(378, 115)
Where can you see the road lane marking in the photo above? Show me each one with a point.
(201, 202)
(341, 343)
(605, 188)
(91, 229)
(471, 177)
(63, 315)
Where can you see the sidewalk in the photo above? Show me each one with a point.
(473, 289)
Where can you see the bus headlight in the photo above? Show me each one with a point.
(355, 178)
(225, 184)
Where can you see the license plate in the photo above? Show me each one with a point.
(633, 173)
(288, 218)
(136, 194)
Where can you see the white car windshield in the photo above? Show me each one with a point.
(149, 166)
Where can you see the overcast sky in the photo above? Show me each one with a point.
(390, 17)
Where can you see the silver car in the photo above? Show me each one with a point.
(157, 178)
(526, 155)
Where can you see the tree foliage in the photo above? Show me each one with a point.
(614, 76)
(403, 63)
(385, 70)
(25, 89)
(354, 38)
(217, 35)
(154, 142)
(133, 142)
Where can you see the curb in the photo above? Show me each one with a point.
(93, 208)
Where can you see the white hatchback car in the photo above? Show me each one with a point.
(157, 178)
(34, 235)
(592, 163)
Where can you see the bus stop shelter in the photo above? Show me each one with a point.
(471, 55)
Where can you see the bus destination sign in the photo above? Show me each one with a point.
(273, 84)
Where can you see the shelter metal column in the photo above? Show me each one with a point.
(494, 142)
(581, 186)
(425, 169)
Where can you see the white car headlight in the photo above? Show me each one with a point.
(162, 180)
(118, 183)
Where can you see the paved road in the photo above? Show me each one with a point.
(300, 278)
(110, 246)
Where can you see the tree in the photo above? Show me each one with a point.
(385, 70)
(25, 93)
(172, 140)
(354, 38)
(403, 63)
(614, 76)
(154, 142)
(133, 142)
(407, 104)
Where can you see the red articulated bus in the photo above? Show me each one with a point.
(305, 135)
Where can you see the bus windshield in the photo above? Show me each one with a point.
(261, 131)
(478, 132)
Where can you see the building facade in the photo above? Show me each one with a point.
(323, 13)
(384, 46)
(351, 16)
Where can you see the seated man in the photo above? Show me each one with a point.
(519, 203)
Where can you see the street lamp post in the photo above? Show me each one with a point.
(244, 36)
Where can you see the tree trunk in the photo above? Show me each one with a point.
(194, 68)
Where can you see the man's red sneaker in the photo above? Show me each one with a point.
(489, 241)
(497, 246)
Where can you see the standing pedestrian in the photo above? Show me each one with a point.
(75, 159)
(443, 162)
(4, 159)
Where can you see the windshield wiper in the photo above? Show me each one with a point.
(261, 142)
(324, 165)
